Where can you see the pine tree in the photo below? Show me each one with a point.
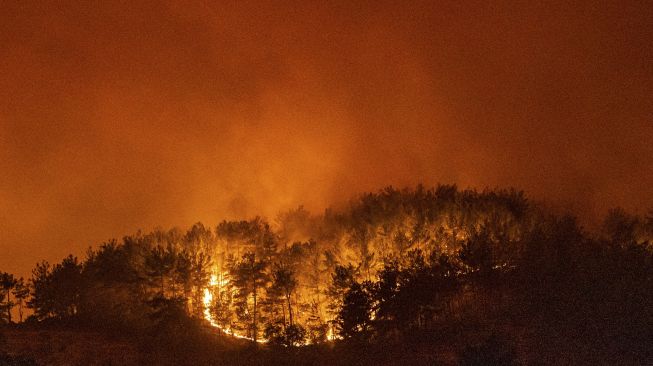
(354, 318)
(7, 283)
(249, 277)
(21, 292)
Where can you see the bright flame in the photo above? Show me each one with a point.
(208, 300)
(330, 336)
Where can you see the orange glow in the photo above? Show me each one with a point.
(207, 299)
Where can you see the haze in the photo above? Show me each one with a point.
(119, 116)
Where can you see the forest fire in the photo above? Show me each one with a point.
(207, 300)
(457, 183)
(393, 264)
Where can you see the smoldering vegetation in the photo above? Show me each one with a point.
(417, 276)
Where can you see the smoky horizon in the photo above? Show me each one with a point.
(116, 117)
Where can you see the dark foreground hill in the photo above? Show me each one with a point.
(483, 341)
(65, 347)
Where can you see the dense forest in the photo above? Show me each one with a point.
(396, 270)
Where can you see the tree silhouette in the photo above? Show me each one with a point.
(181, 275)
(477, 254)
(249, 276)
(7, 284)
(41, 300)
(341, 280)
(159, 263)
(21, 293)
(67, 282)
(354, 318)
(200, 275)
(283, 280)
(57, 290)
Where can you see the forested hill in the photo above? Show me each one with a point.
(424, 267)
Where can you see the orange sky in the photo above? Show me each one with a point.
(116, 116)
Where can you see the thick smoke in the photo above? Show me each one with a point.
(119, 116)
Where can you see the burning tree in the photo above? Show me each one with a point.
(249, 276)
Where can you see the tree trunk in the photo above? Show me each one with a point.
(254, 322)
(289, 309)
(283, 312)
(8, 306)
(454, 235)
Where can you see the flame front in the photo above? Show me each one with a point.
(207, 299)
